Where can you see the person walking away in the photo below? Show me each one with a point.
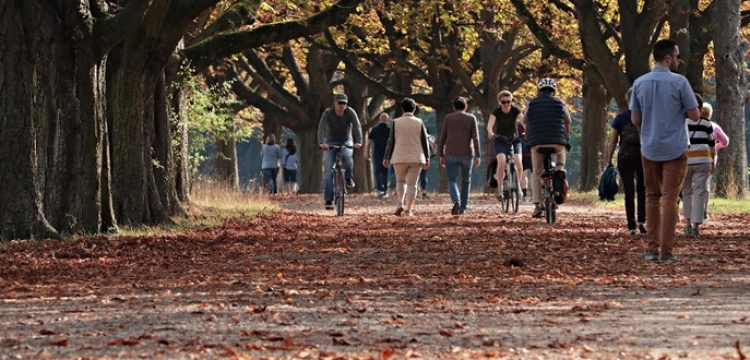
(458, 150)
(374, 151)
(408, 150)
(526, 162)
(432, 143)
(338, 126)
(722, 141)
(504, 122)
(660, 101)
(700, 166)
(270, 155)
(629, 166)
(546, 121)
(290, 165)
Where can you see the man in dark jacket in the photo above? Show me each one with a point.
(547, 124)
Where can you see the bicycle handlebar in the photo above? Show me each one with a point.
(338, 147)
(511, 141)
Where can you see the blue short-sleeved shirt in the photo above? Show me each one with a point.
(663, 97)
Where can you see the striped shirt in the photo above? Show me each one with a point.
(702, 148)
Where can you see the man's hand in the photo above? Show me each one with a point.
(357, 146)
(491, 135)
(427, 165)
(442, 161)
(477, 161)
(386, 163)
(368, 157)
(324, 146)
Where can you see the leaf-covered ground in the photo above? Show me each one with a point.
(303, 283)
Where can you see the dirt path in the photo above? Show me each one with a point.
(306, 284)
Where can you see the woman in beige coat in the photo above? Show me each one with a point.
(409, 152)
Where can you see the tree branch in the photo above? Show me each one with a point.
(225, 44)
(240, 13)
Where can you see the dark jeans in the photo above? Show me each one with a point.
(380, 173)
(632, 182)
(463, 165)
(270, 175)
(423, 180)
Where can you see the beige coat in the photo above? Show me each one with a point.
(408, 141)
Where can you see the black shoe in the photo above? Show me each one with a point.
(399, 210)
(456, 208)
(538, 212)
(642, 228)
(329, 205)
(350, 183)
(424, 195)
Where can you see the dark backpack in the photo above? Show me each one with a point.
(630, 144)
(608, 184)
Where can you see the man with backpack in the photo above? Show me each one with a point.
(630, 167)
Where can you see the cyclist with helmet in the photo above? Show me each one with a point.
(547, 124)
(502, 129)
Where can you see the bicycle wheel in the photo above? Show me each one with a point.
(513, 189)
(339, 195)
(549, 206)
(505, 204)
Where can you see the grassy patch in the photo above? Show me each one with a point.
(716, 205)
(210, 206)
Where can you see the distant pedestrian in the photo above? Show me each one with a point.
(289, 165)
(374, 152)
(270, 155)
(660, 102)
(701, 161)
(630, 167)
(722, 141)
(527, 164)
(458, 149)
(409, 152)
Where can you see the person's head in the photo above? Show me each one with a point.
(383, 118)
(628, 94)
(666, 53)
(547, 85)
(408, 105)
(505, 99)
(460, 103)
(707, 111)
(291, 146)
(270, 139)
(339, 103)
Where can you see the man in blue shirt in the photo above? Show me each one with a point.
(374, 150)
(661, 100)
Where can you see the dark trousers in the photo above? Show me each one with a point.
(423, 180)
(380, 173)
(631, 174)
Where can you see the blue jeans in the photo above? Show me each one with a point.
(381, 174)
(329, 160)
(464, 165)
(270, 175)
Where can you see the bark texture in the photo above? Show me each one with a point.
(731, 89)
(594, 129)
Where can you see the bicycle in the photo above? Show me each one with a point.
(510, 178)
(550, 195)
(339, 180)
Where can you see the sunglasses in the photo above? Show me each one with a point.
(342, 102)
(505, 102)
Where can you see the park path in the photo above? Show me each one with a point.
(303, 283)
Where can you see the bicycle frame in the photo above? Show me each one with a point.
(548, 188)
(339, 186)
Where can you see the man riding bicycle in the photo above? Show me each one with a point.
(337, 125)
(547, 124)
(503, 122)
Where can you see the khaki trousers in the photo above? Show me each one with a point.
(537, 164)
(663, 181)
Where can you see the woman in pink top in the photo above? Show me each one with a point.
(722, 141)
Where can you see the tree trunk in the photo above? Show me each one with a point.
(179, 126)
(731, 88)
(20, 202)
(310, 174)
(163, 150)
(226, 164)
(594, 130)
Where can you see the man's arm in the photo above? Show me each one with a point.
(694, 114)
(611, 146)
(635, 118)
(356, 130)
(367, 148)
(389, 146)
(475, 140)
(567, 119)
(323, 130)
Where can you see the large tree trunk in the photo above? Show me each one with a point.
(730, 92)
(594, 130)
(20, 203)
(311, 161)
(163, 150)
(226, 164)
(178, 106)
